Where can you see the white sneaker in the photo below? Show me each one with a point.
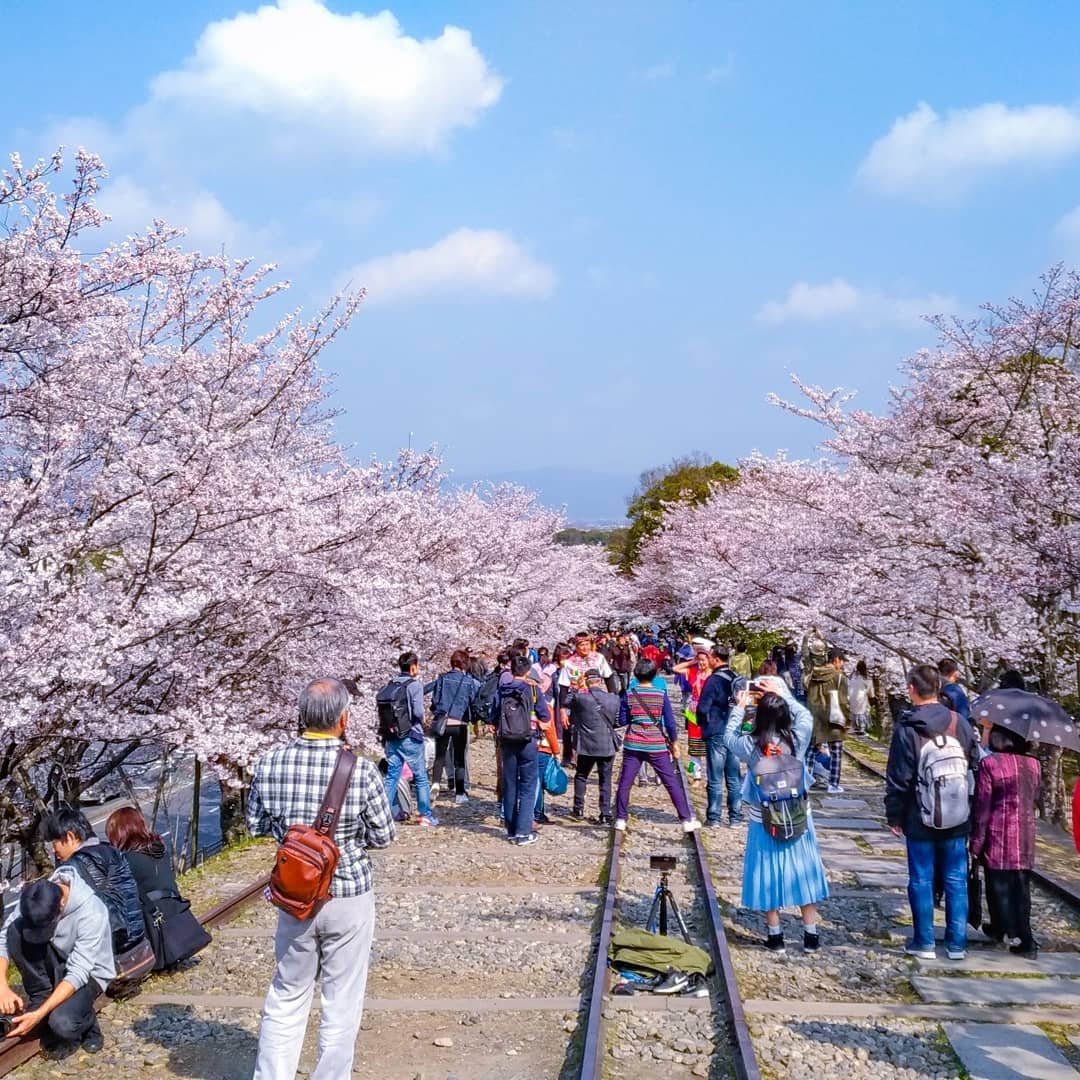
(460, 800)
(691, 826)
(835, 789)
(957, 954)
(620, 824)
(434, 792)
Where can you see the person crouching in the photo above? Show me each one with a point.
(60, 939)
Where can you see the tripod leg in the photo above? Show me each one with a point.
(679, 919)
(650, 922)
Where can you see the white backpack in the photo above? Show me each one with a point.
(942, 780)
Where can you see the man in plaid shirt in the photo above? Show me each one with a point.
(287, 789)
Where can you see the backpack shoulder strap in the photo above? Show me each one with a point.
(330, 807)
(954, 721)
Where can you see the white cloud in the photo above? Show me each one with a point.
(1068, 228)
(932, 157)
(658, 72)
(360, 77)
(468, 262)
(207, 224)
(838, 299)
(721, 72)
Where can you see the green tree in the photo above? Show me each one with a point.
(687, 480)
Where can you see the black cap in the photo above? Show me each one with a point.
(39, 906)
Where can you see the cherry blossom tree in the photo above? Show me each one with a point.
(182, 543)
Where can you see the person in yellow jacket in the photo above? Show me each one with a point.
(741, 662)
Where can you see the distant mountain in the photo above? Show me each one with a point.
(587, 497)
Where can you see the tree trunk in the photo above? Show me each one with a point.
(1052, 801)
(233, 826)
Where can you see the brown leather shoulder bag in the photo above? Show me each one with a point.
(308, 856)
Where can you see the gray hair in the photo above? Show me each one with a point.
(321, 704)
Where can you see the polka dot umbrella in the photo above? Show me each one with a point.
(1039, 720)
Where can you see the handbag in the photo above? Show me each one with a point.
(306, 860)
(836, 712)
(132, 966)
(554, 779)
(974, 896)
(174, 932)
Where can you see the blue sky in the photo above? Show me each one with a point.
(595, 236)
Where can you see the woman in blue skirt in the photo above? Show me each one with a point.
(777, 873)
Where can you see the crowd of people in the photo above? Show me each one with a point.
(761, 732)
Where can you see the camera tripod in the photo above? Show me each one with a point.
(663, 899)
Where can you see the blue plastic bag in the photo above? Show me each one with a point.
(554, 780)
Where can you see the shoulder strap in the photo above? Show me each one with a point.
(330, 807)
(954, 720)
(648, 711)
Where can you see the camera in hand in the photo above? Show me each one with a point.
(6, 1024)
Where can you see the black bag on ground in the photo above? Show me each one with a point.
(395, 717)
(174, 932)
(514, 721)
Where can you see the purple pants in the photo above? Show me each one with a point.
(632, 760)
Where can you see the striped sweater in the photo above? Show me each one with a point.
(646, 710)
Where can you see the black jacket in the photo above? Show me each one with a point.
(152, 871)
(593, 715)
(717, 698)
(106, 871)
(901, 799)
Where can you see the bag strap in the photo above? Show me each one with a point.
(454, 701)
(154, 895)
(641, 702)
(330, 807)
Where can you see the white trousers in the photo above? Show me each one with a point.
(335, 944)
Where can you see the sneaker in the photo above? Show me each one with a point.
(835, 789)
(460, 800)
(710, 824)
(430, 820)
(603, 819)
(811, 942)
(691, 826)
(578, 815)
(735, 822)
(524, 841)
(672, 983)
(620, 824)
(697, 987)
(923, 952)
(435, 789)
(956, 954)
(775, 944)
(541, 819)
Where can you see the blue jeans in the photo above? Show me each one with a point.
(953, 857)
(721, 765)
(398, 751)
(519, 776)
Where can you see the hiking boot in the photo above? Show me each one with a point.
(620, 824)
(775, 944)
(691, 826)
(811, 942)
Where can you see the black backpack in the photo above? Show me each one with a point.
(395, 716)
(106, 871)
(514, 722)
(480, 706)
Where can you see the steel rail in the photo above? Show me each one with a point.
(745, 1060)
(592, 1055)
(1064, 890)
(14, 1053)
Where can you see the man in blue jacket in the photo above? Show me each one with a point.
(721, 766)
